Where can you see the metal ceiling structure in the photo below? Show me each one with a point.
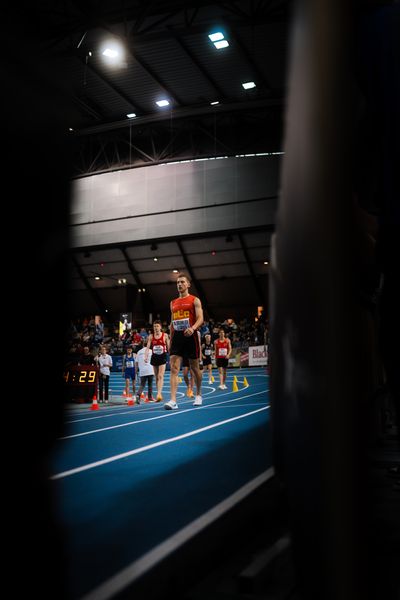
(168, 54)
(228, 272)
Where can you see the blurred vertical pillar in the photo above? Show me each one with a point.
(37, 161)
(317, 354)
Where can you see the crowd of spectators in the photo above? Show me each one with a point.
(93, 332)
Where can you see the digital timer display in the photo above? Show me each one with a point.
(80, 375)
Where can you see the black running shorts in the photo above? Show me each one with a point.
(185, 346)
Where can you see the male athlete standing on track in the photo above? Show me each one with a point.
(186, 318)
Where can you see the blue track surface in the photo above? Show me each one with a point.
(129, 477)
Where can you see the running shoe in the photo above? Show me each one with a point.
(170, 405)
(198, 401)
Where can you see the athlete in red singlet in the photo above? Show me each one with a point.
(223, 350)
(186, 318)
(158, 342)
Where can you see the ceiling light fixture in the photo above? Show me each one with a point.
(221, 44)
(113, 52)
(218, 39)
(248, 85)
(162, 103)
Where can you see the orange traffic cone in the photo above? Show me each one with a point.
(95, 405)
(130, 401)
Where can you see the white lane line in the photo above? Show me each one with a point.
(119, 410)
(104, 461)
(164, 416)
(137, 568)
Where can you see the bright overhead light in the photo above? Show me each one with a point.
(248, 85)
(175, 271)
(162, 103)
(110, 53)
(113, 52)
(214, 103)
(131, 115)
(215, 37)
(155, 259)
(221, 44)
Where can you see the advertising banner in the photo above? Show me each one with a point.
(258, 356)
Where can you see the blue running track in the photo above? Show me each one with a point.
(134, 482)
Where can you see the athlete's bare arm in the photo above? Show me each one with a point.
(146, 352)
(199, 318)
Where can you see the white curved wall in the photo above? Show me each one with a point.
(174, 199)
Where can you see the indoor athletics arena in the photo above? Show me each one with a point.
(209, 180)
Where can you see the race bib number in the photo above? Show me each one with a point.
(130, 364)
(158, 349)
(180, 324)
(223, 351)
(207, 352)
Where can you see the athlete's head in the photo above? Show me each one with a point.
(157, 326)
(182, 282)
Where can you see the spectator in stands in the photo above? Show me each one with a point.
(105, 363)
(136, 340)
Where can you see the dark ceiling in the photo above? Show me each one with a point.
(167, 55)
